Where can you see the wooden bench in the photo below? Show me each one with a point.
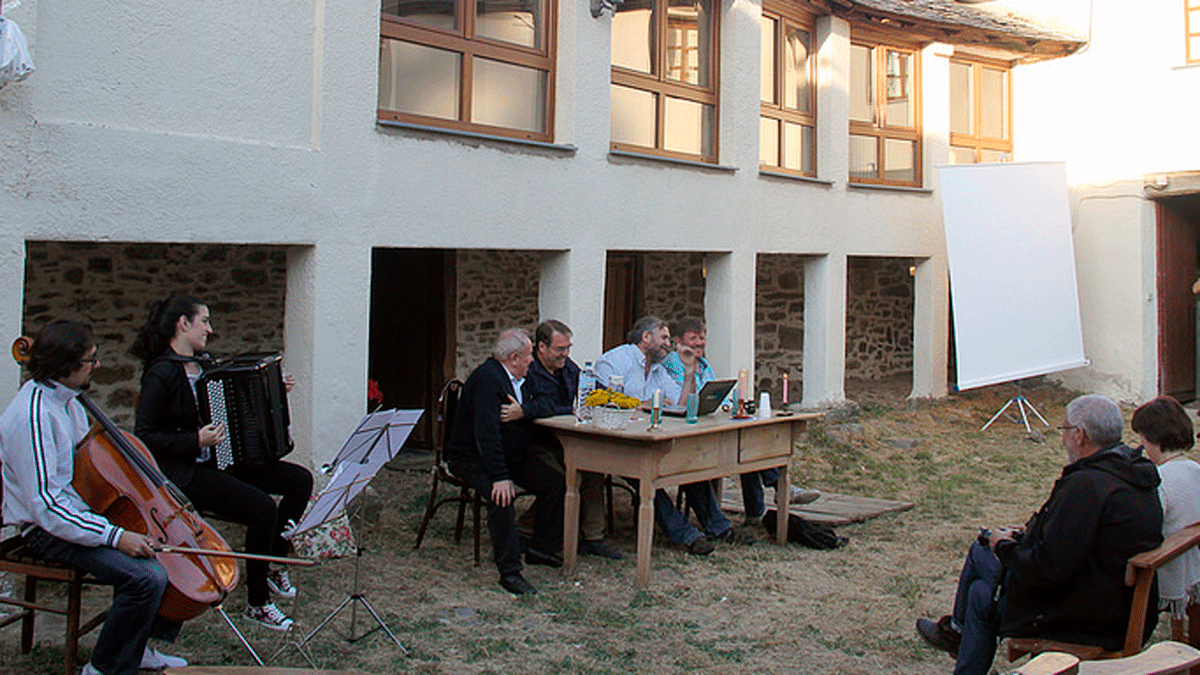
(1140, 572)
(1163, 658)
(15, 558)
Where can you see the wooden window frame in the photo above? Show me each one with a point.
(879, 129)
(977, 141)
(1191, 29)
(656, 82)
(464, 42)
(785, 15)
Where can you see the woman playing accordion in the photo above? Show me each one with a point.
(168, 421)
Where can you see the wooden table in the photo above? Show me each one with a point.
(675, 453)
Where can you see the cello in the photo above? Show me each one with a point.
(117, 477)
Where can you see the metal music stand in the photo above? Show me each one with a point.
(1022, 404)
(377, 439)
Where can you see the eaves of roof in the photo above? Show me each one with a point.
(1025, 38)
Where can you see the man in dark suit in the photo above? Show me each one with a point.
(493, 457)
(550, 389)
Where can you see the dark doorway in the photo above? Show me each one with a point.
(412, 330)
(622, 296)
(1177, 263)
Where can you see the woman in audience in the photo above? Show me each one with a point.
(1166, 434)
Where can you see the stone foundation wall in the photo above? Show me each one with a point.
(112, 286)
(879, 317)
(496, 290)
(779, 324)
(673, 286)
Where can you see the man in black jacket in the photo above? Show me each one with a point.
(492, 457)
(1063, 571)
(550, 389)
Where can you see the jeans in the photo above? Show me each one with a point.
(976, 611)
(752, 490)
(138, 585)
(547, 486)
(703, 502)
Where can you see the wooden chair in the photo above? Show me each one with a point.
(1140, 571)
(1163, 658)
(447, 407)
(15, 558)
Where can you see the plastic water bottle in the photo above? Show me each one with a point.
(587, 384)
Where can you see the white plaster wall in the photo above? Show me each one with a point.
(255, 123)
(1122, 108)
(1113, 229)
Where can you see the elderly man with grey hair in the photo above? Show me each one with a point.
(1063, 570)
(492, 457)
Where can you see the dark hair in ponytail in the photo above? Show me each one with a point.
(154, 338)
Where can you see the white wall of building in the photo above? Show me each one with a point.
(255, 123)
(1120, 109)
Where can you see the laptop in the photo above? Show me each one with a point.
(711, 395)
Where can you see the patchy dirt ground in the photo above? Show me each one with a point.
(762, 608)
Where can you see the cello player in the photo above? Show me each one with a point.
(39, 432)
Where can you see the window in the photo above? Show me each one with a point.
(980, 112)
(885, 114)
(787, 128)
(664, 89)
(485, 66)
(1191, 28)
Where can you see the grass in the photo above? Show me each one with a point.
(764, 608)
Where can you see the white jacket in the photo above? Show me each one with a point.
(38, 434)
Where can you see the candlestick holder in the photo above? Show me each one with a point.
(741, 414)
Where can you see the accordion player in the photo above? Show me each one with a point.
(248, 395)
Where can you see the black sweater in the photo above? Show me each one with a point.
(168, 421)
(1066, 575)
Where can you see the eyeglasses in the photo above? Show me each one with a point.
(94, 359)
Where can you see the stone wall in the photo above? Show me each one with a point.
(112, 285)
(779, 324)
(673, 285)
(496, 290)
(879, 317)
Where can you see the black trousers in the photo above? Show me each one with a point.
(243, 495)
(533, 476)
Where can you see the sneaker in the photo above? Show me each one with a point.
(269, 615)
(278, 582)
(799, 495)
(752, 521)
(152, 659)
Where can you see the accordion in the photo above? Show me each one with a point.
(247, 394)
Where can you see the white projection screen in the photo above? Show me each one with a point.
(1012, 271)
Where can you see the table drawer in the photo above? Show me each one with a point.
(763, 442)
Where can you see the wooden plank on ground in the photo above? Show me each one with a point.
(830, 509)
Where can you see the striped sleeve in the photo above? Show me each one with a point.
(45, 477)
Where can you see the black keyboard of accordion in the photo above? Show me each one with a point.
(247, 394)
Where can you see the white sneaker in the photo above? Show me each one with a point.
(269, 615)
(152, 659)
(89, 669)
(799, 495)
(278, 582)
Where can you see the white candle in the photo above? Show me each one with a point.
(657, 400)
(785, 388)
